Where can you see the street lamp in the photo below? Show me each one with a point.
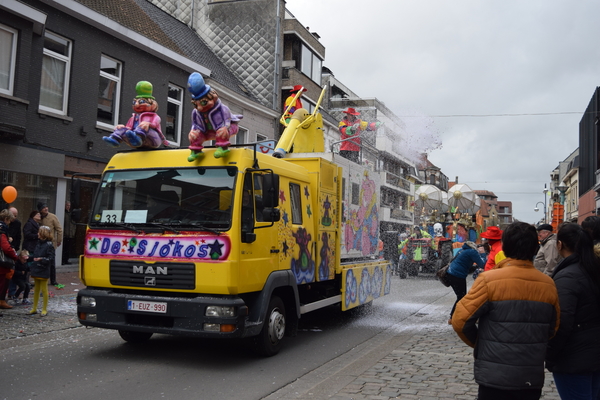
(562, 188)
(536, 209)
(545, 191)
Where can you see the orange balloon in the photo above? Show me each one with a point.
(9, 194)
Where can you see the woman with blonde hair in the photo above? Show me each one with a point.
(43, 257)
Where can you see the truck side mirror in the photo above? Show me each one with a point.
(76, 215)
(75, 193)
(248, 237)
(271, 214)
(270, 190)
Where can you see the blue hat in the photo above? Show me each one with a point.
(197, 87)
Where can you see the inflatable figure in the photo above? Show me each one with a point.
(438, 230)
(352, 127)
(293, 102)
(143, 128)
(211, 119)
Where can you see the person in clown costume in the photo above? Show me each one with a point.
(293, 105)
(143, 128)
(211, 119)
(351, 127)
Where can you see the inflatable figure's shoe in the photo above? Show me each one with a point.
(110, 141)
(194, 155)
(133, 139)
(220, 152)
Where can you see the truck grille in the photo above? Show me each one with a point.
(153, 276)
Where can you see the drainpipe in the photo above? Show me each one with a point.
(277, 71)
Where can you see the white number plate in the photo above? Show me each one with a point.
(147, 306)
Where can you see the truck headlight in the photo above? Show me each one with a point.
(220, 311)
(87, 301)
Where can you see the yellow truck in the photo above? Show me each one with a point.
(234, 247)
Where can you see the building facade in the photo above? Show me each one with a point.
(70, 77)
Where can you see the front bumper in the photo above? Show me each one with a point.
(183, 316)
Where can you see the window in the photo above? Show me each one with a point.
(197, 198)
(8, 55)
(355, 194)
(241, 136)
(109, 91)
(8, 178)
(56, 66)
(174, 110)
(261, 138)
(34, 180)
(310, 64)
(308, 106)
(296, 203)
(258, 196)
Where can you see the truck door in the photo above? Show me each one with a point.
(258, 256)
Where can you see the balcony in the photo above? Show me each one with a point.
(397, 182)
(397, 215)
(597, 184)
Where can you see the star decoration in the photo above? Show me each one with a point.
(308, 210)
(285, 218)
(327, 203)
(215, 250)
(285, 247)
(306, 193)
(94, 244)
(282, 196)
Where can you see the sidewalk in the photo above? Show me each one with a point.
(62, 309)
(419, 358)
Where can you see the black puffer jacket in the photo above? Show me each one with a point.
(45, 251)
(576, 347)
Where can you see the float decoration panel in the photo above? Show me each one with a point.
(188, 248)
(362, 283)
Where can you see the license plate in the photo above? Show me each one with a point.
(147, 306)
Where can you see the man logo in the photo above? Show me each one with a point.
(150, 280)
(149, 270)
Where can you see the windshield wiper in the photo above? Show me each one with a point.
(164, 227)
(120, 225)
(202, 227)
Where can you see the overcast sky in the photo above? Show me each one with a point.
(467, 64)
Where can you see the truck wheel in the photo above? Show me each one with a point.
(268, 341)
(135, 337)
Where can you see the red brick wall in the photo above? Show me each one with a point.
(587, 205)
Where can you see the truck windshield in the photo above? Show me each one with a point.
(180, 198)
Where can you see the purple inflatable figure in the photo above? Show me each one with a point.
(211, 119)
(143, 128)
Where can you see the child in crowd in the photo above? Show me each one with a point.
(43, 257)
(21, 277)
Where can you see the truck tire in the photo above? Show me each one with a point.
(413, 269)
(268, 341)
(135, 337)
(403, 269)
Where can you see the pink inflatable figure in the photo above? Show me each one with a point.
(211, 119)
(143, 128)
